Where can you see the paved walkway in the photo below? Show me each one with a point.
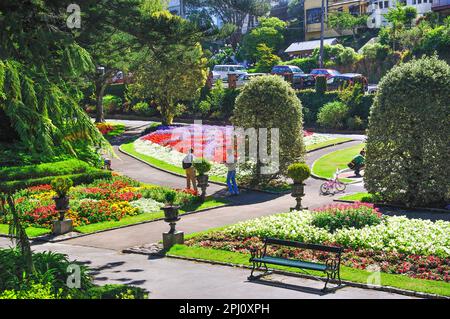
(248, 205)
(168, 278)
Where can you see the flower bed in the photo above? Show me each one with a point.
(103, 200)
(171, 143)
(417, 248)
(110, 129)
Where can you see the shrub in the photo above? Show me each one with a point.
(143, 108)
(169, 197)
(312, 102)
(355, 123)
(305, 64)
(112, 104)
(116, 292)
(299, 172)
(340, 216)
(321, 84)
(266, 59)
(202, 166)
(62, 185)
(408, 135)
(270, 102)
(332, 115)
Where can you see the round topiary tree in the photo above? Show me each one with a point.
(270, 102)
(409, 134)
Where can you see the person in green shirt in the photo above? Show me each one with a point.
(359, 161)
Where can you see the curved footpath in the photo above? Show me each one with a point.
(250, 204)
(174, 278)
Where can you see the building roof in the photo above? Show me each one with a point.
(308, 45)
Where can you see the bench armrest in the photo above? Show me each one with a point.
(333, 263)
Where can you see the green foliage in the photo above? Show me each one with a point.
(269, 32)
(408, 135)
(116, 292)
(169, 197)
(202, 166)
(143, 108)
(270, 102)
(61, 185)
(356, 216)
(341, 21)
(312, 102)
(72, 166)
(355, 123)
(299, 172)
(266, 59)
(112, 104)
(321, 84)
(332, 115)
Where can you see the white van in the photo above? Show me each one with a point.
(220, 72)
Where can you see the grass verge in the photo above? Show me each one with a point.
(326, 165)
(31, 231)
(347, 273)
(313, 147)
(146, 217)
(358, 197)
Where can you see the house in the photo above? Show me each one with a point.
(302, 49)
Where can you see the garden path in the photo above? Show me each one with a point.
(248, 205)
(168, 278)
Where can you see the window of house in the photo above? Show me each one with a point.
(313, 15)
(380, 4)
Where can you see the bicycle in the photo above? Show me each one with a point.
(334, 185)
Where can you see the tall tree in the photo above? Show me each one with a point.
(342, 21)
(41, 66)
(234, 12)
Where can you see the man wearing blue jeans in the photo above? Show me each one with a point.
(231, 178)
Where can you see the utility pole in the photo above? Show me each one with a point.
(322, 30)
(182, 9)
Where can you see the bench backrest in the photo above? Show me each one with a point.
(331, 249)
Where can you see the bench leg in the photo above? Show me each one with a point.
(326, 282)
(251, 277)
(258, 266)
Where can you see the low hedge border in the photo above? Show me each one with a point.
(88, 177)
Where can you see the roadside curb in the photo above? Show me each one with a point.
(345, 282)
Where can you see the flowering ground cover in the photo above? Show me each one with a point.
(110, 130)
(100, 205)
(397, 245)
(167, 146)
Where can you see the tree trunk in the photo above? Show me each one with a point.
(100, 87)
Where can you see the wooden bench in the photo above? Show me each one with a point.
(331, 267)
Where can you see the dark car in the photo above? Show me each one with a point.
(343, 80)
(299, 78)
(328, 73)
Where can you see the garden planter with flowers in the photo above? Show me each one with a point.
(202, 166)
(299, 172)
(61, 187)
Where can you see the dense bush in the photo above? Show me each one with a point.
(408, 135)
(312, 102)
(270, 102)
(332, 115)
(321, 84)
(299, 172)
(143, 108)
(305, 64)
(336, 217)
(112, 104)
(202, 166)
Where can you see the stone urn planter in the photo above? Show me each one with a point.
(61, 186)
(171, 216)
(202, 183)
(299, 172)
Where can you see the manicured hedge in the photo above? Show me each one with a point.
(88, 177)
(68, 167)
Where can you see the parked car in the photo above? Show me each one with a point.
(338, 81)
(299, 76)
(246, 77)
(326, 72)
(220, 72)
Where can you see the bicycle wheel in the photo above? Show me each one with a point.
(324, 189)
(340, 187)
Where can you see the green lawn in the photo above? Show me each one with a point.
(146, 217)
(129, 148)
(326, 165)
(328, 143)
(31, 231)
(358, 197)
(347, 273)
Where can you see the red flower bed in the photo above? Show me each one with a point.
(39, 188)
(91, 212)
(42, 215)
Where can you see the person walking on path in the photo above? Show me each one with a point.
(188, 166)
(231, 175)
